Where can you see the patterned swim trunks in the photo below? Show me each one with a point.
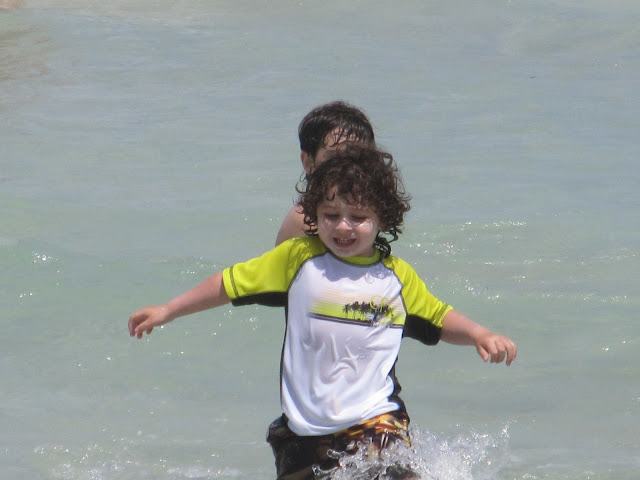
(317, 457)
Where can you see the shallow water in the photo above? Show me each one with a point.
(146, 145)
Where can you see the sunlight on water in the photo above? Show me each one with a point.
(121, 459)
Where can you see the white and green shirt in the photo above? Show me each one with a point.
(345, 321)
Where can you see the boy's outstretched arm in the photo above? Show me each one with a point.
(460, 330)
(208, 294)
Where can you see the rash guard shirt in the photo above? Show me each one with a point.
(345, 319)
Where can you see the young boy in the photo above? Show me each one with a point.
(321, 132)
(349, 303)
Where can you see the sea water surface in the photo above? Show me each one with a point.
(146, 145)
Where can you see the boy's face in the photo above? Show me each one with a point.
(347, 229)
(332, 142)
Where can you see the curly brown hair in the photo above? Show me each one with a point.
(361, 175)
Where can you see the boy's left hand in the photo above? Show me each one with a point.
(496, 348)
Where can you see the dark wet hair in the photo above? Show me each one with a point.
(350, 121)
(360, 175)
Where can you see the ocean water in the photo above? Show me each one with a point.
(146, 145)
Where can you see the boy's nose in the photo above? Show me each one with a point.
(344, 224)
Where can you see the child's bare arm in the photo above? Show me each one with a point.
(208, 294)
(292, 226)
(460, 330)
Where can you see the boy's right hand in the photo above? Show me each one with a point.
(146, 319)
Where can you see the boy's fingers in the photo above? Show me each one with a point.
(498, 350)
(504, 350)
(483, 353)
(133, 321)
(136, 320)
(493, 350)
(507, 350)
(512, 353)
(132, 327)
(141, 329)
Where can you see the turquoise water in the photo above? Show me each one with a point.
(146, 145)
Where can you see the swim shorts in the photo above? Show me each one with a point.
(317, 457)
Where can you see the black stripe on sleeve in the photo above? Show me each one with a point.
(269, 299)
(421, 329)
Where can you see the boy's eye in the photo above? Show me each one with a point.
(358, 219)
(331, 216)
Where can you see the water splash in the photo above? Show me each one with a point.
(467, 456)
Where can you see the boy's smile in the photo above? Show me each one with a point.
(347, 229)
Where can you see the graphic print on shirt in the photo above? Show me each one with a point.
(358, 308)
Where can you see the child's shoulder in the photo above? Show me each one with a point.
(307, 246)
(399, 266)
(393, 260)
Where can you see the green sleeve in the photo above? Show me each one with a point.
(265, 279)
(425, 312)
